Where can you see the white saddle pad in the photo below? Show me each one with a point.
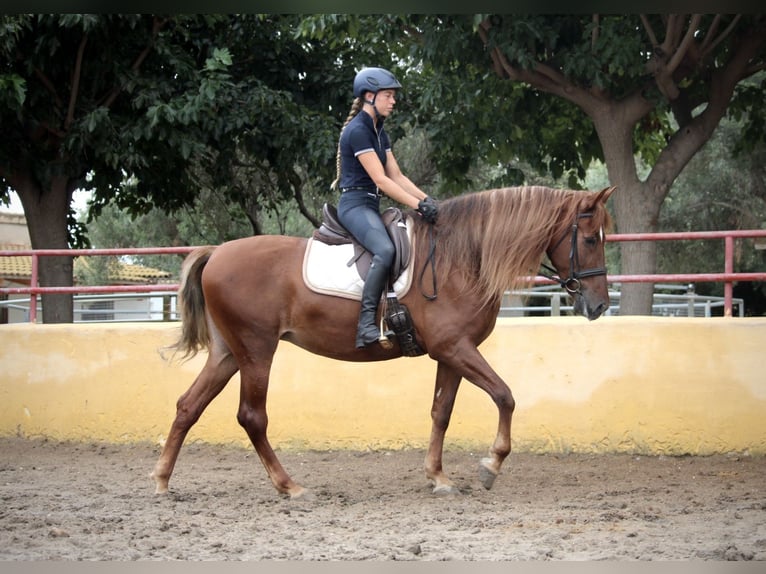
(326, 271)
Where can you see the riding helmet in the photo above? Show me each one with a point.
(373, 80)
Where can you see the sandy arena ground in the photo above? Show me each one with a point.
(71, 501)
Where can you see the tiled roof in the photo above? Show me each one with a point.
(139, 274)
(15, 267)
(19, 268)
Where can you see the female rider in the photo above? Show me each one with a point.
(366, 169)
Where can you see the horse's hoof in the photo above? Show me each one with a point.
(445, 490)
(303, 495)
(160, 487)
(487, 476)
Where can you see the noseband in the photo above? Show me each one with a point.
(572, 283)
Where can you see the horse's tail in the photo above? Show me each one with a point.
(195, 334)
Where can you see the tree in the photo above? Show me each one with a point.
(562, 90)
(145, 110)
(82, 96)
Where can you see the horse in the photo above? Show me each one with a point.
(240, 298)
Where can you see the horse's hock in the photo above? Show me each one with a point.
(646, 385)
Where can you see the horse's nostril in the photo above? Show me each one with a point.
(598, 311)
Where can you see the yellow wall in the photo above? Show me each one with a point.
(620, 384)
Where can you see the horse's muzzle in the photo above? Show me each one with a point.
(583, 307)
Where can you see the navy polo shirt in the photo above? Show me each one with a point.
(358, 137)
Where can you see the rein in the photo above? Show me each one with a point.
(430, 259)
(572, 283)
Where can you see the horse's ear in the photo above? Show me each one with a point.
(601, 196)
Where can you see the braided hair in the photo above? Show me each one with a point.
(356, 107)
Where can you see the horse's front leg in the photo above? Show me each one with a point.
(465, 359)
(445, 390)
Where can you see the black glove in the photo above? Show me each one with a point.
(428, 209)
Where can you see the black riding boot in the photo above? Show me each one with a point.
(368, 331)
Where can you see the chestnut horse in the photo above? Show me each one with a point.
(238, 300)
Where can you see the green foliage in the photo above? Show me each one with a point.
(13, 91)
(718, 191)
(210, 219)
(747, 107)
(95, 270)
(143, 109)
(543, 129)
(473, 116)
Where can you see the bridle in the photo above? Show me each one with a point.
(572, 283)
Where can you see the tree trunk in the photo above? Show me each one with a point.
(636, 210)
(635, 213)
(46, 214)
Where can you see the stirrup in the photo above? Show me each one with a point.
(380, 337)
(384, 340)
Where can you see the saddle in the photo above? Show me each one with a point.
(332, 232)
(397, 316)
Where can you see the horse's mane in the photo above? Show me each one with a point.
(497, 238)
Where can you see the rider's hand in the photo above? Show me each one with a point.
(428, 209)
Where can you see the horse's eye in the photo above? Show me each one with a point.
(593, 239)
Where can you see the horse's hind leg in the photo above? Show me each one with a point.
(254, 376)
(218, 369)
(445, 391)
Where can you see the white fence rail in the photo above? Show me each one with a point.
(547, 300)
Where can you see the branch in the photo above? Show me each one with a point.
(685, 44)
(76, 75)
(754, 69)
(253, 218)
(557, 79)
(156, 27)
(658, 65)
(542, 77)
(673, 31)
(723, 35)
(750, 43)
(497, 64)
(689, 139)
(594, 32)
(45, 81)
(38, 131)
(297, 184)
(649, 31)
(710, 33)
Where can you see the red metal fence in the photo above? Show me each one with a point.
(728, 276)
